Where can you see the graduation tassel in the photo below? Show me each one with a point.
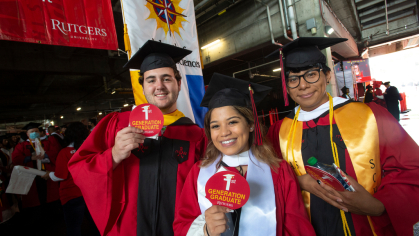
(258, 133)
(270, 117)
(284, 85)
(277, 115)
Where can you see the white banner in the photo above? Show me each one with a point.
(171, 22)
(22, 179)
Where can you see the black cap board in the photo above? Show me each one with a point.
(305, 51)
(224, 90)
(31, 125)
(386, 83)
(153, 55)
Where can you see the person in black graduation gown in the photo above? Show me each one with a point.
(392, 97)
(369, 96)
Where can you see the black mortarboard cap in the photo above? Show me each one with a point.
(3, 137)
(386, 83)
(224, 90)
(153, 55)
(305, 51)
(31, 125)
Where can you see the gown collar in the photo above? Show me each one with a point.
(311, 115)
(241, 159)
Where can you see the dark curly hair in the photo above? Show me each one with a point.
(76, 133)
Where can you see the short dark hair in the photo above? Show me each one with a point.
(175, 70)
(299, 69)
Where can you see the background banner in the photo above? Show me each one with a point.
(171, 22)
(75, 23)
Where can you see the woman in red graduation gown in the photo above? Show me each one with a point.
(74, 207)
(275, 205)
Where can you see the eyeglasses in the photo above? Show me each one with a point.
(311, 77)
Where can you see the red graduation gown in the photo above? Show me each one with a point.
(399, 188)
(291, 216)
(112, 195)
(22, 151)
(68, 190)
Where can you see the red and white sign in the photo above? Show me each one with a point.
(228, 189)
(148, 118)
(325, 177)
(75, 23)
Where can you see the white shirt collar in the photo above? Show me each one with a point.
(71, 144)
(310, 115)
(241, 159)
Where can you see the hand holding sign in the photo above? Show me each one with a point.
(228, 189)
(145, 120)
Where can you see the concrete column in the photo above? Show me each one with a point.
(307, 9)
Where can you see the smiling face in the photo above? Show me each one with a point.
(161, 89)
(229, 130)
(310, 96)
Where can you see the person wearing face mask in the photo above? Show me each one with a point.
(379, 157)
(43, 194)
(275, 205)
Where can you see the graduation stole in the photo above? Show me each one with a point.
(172, 117)
(33, 146)
(356, 124)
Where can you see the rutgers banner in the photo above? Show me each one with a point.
(171, 22)
(76, 23)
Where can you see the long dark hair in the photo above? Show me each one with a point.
(76, 133)
(264, 153)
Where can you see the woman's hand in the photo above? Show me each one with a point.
(311, 185)
(360, 202)
(216, 220)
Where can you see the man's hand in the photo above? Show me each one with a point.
(46, 176)
(126, 140)
(216, 220)
(360, 202)
(311, 185)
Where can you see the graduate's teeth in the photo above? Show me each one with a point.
(228, 141)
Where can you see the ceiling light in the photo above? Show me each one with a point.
(62, 117)
(52, 122)
(277, 69)
(329, 30)
(125, 105)
(113, 92)
(78, 108)
(100, 113)
(211, 44)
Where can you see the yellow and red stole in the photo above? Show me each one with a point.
(358, 127)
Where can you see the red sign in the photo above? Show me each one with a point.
(75, 23)
(148, 118)
(228, 189)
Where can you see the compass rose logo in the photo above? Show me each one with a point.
(168, 15)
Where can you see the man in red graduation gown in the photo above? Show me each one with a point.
(380, 158)
(131, 183)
